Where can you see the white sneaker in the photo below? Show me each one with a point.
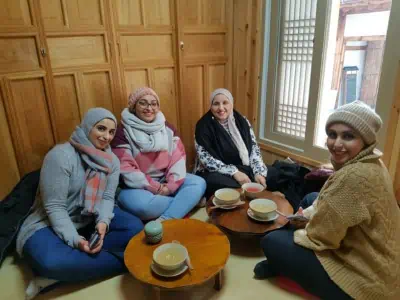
(36, 285)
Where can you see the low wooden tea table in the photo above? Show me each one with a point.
(236, 221)
(208, 249)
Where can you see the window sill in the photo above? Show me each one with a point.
(285, 153)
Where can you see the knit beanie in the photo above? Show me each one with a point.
(358, 116)
(138, 94)
(224, 92)
(93, 116)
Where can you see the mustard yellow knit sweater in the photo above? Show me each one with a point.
(355, 230)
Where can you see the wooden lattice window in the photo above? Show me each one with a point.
(295, 60)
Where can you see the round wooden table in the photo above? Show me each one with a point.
(208, 249)
(236, 221)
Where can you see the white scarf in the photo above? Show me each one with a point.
(148, 137)
(238, 141)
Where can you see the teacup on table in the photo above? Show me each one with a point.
(252, 190)
(170, 256)
(227, 196)
(263, 208)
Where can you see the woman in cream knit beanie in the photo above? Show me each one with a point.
(358, 116)
(349, 245)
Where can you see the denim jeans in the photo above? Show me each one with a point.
(300, 264)
(51, 257)
(147, 206)
(308, 200)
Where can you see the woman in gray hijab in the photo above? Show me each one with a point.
(75, 198)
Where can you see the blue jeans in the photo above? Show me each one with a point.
(308, 200)
(300, 264)
(147, 206)
(51, 257)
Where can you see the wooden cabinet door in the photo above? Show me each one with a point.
(205, 43)
(25, 115)
(79, 39)
(146, 38)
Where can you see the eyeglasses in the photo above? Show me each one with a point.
(144, 104)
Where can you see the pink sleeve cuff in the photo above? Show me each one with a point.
(153, 187)
(175, 185)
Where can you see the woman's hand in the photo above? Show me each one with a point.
(102, 230)
(296, 223)
(241, 178)
(164, 191)
(261, 180)
(83, 245)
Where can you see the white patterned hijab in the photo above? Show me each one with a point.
(236, 137)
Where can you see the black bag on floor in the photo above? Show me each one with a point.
(14, 209)
(288, 178)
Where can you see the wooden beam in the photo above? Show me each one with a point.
(350, 9)
(365, 38)
(394, 118)
(339, 53)
(355, 48)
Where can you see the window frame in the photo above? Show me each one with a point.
(306, 149)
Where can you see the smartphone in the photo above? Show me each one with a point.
(297, 218)
(94, 239)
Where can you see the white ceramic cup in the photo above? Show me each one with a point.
(254, 185)
(226, 196)
(174, 265)
(263, 208)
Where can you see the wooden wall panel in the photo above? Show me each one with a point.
(29, 121)
(147, 47)
(215, 11)
(18, 54)
(72, 14)
(165, 85)
(216, 79)
(77, 51)
(8, 163)
(26, 124)
(191, 12)
(149, 13)
(53, 14)
(194, 99)
(204, 46)
(84, 13)
(96, 90)
(204, 12)
(15, 13)
(157, 12)
(205, 33)
(152, 48)
(66, 105)
(241, 54)
(129, 12)
(135, 79)
(79, 37)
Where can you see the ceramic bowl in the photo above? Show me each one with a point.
(170, 256)
(252, 190)
(263, 208)
(227, 196)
